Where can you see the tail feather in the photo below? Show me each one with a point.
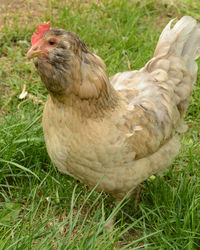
(183, 40)
(173, 66)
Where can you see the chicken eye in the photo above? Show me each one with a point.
(51, 42)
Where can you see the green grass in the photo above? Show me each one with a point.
(41, 208)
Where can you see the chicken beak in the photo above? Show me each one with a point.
(33, 52)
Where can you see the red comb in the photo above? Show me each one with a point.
(41, 29)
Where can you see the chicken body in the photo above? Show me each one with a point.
(118, 132)
(102, 151)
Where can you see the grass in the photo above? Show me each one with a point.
(41, 208)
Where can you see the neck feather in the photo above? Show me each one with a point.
(90, 92)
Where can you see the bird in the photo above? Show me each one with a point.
(114, 133)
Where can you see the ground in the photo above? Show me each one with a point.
(41, 208)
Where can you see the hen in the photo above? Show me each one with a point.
(119, 131)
